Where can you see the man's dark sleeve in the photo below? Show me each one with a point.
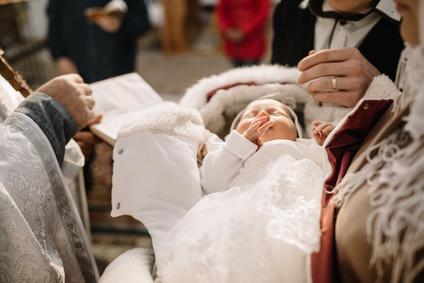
(136, 20)
(53, 119)
(55, 35)
(276, 38)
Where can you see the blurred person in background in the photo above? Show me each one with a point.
(95, 38)
(243, 27)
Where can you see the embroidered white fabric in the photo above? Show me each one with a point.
(41, 235)
(415, 72)
(9, 99)
(260, 230)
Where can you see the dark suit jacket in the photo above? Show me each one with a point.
(294, 36)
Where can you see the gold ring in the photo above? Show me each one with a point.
(334, 84)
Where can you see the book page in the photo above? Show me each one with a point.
(116, 98)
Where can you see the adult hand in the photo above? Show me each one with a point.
(74, 95)
(339, 76)
(108, 23)
(66, 66)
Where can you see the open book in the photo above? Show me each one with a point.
(119, 99)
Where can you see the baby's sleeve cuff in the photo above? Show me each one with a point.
(239, 145)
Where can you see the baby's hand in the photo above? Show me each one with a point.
(321, 130)
(257, 129)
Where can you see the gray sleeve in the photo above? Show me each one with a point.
(53, 119)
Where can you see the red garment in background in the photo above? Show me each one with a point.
(251, 17)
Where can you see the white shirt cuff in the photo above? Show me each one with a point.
(239, 145)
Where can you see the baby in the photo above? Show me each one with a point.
(262, 121)
(259, 219)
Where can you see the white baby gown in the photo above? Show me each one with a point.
(261, 230)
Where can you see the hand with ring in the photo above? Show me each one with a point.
(339, 76)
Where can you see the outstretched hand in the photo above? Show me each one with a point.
(321, 130)
(257, 129)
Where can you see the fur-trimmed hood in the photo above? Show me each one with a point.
(220, 97)
(167, 118)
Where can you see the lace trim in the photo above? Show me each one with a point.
(415, 83)
(395, 228)
(395, 182)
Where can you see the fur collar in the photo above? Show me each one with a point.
(220, 97)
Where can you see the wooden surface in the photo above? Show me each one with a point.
(181, 23)
(13, 77)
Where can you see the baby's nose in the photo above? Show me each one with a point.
(262, 113)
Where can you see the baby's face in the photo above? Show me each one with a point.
(283, 127)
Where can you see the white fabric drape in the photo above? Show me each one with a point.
(42, 238)
(261, 229)
(155, 178)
